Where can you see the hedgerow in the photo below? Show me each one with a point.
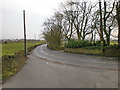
(77, 44)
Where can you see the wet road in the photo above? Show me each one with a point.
(76, 59)
(56, 69)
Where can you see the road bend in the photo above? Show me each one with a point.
(46, 68)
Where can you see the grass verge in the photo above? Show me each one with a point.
(107, 52)
(11, 64)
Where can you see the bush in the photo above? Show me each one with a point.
(53, 37)
(77, 44)
(98, 43)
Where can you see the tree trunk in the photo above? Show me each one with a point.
(79, 36)
(105, 22)
(78, 33)
(101, 24)
(118, 19)
(91, 38)
(108, 39)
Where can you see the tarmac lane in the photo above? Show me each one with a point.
(57, 69)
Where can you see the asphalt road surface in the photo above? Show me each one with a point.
(57, 69)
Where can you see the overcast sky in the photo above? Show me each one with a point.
(11, 18)
(36, 13)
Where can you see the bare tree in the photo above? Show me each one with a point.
(82, 19)
(108, 14)
(101, 23)
(78, 18)
(68, 12)
(118, 19)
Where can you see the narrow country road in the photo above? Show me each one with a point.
(57, 69)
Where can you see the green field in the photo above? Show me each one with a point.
(113, 42)
(12, 47)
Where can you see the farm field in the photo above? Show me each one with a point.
(113, 42)
(12, 47)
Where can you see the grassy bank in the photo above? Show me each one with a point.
(14, 59)
(84, 51)
(12, 64)
(86, 47)
(107, 52)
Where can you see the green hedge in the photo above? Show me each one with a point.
(77, 44)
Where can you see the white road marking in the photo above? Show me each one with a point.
(47, 63)
(44, 52)
(97, 85)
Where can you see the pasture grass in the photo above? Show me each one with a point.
(12, 47)
(113, 42)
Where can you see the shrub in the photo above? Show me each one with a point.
(53, 37)
(77, 44)
(98, 43)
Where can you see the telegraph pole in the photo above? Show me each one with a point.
(35, 38)
(25, 47)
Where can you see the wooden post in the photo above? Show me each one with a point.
(25, 47)
(35, 38)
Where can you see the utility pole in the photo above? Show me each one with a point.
(35, 38)
(25, 47)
